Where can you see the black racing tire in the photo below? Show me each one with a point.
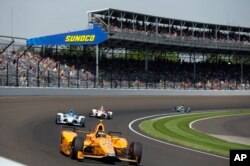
(58, 117)
(90, 114)
(77, 145)
(103, 116)
(109, 116)
(135, 152)
(82, 122)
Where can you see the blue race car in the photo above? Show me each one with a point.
(70, 118)
(181, 108)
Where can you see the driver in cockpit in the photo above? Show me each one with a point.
(102, 109)
(71, 112)
(100, 134)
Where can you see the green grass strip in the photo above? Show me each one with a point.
(176, 130)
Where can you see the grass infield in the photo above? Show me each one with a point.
(176, 130)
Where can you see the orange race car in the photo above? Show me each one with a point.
(98, 144)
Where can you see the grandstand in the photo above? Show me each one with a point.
(142, 51)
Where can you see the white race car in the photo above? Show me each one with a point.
(70, 118)
(181, 108)
(101, 113)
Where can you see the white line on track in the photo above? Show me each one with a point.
(166, 143)
(219, 116)
(7, 162)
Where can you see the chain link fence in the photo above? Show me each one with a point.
(29, 68)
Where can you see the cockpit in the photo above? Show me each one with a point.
(100, 134)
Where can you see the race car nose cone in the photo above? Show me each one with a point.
(110, 154)
(70, 119)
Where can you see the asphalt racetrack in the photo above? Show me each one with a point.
(30, 136)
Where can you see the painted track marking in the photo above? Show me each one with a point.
(8, 162)
(166, 143)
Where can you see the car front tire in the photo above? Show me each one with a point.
(77, 145)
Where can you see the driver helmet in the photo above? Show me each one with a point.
(71, 112)
(102, 108)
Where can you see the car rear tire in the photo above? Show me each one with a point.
(58, 117)
(77, 145)
(82, 122)
(109, 116)
(135, 152)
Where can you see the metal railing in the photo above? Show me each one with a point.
(178, 41)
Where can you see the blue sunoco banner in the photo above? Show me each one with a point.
(93, 36)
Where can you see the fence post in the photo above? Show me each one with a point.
(111, 81)
(94, 81)
(77, 78)
(27, 77)
(48, 78)
(68, 78)
(17, 79)
(165, 83)
(87, 80)
(102, 79)
(59, 76)
(7, 74)
(38, 73)
(120, 79)
(129, 80)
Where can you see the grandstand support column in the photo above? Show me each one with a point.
(182, 25)
(241, 72)
(146, 59)
(217, 28)
(205, 26)
(170, 23)
(146, 66)
(194, 81)
(111, 76)
(193, 27)
(97, 65)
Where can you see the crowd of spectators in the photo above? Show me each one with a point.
(73, 71)
(33, 68)
(177, 74)
(118, 24)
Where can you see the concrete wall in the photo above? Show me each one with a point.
(20, 91)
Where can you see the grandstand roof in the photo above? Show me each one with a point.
(91, 36)
(178, 22)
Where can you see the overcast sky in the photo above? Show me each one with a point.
(33, 18)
